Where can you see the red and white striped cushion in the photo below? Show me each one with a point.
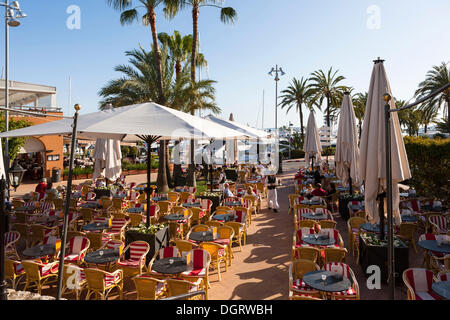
(111, 278)
(168, 252)
(421, 281)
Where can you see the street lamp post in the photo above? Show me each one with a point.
(278, 72)
(10, 21)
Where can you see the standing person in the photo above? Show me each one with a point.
(41, 188)
(272, 201)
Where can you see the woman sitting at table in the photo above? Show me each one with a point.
(318, 191)
(227, 192)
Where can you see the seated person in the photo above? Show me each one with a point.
(318, 191)
(227, 192)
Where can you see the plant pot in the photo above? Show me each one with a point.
(156, 241)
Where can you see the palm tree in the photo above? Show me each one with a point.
(297, 93)
(227, 15)
(325, 86)
(436, 78)
(359, 105)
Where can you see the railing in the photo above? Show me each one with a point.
(188, 295)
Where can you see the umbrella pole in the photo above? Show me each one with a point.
(62, 253)
(149, 169)
(391, 261)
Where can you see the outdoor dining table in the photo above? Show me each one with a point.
(442, 289)
(373, 227)
(102, 256)
(175, 217)
(192, 205)
(171, 266)
(311, 216)
(409, 218)
(331, 283)
(224, 217)
(91, 205)
(135, 210)
(202, 236)
(96, 226)
(319, 241)
(432, 245)
(40, 251)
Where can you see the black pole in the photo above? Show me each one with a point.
(3, 295)
(149, 170)
(350, 183)
(391, 261)
(67, 205)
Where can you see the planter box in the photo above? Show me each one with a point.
(102, 193)
(156, 241)
(378, 255)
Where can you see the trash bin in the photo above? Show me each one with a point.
(56, 174)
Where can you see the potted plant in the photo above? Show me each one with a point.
(156, 235)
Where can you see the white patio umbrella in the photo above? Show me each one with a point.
(347, 151)
(107, 156)
(372, 163)
(312, 145)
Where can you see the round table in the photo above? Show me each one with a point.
(442, 289)
(135, 210)
(433, 246)
(373, 228)
(192, 205)
(36, 252)
(108, 256)
(96, 226)
(91, 205)
(164, 266)
(199, 237)
(320, 241)
(331, 284)
(409, 218)
(224, 217)
(175, 217)
(310, 216)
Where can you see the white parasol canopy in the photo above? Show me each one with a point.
(347, 152)
(129, 122)
(107, 156)
(372, 164)
(312, 146)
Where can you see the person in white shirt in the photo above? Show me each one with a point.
(227, 192)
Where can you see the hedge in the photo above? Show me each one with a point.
(429, 162)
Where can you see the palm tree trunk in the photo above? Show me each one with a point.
(162, 174)
(191, 169)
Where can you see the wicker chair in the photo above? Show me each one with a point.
(176, 287)
(297, 270)
(40, 274)
(149, 288)
(101, 282)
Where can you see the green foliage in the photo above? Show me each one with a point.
(429, 161)
(14, 143)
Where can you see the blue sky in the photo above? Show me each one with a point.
(301, 36)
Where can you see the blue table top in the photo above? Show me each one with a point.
(442, 288)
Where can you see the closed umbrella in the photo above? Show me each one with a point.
(372, 163)
(347, 152)
(312, 145)
(108, 159)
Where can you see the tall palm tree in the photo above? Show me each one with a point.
(325, 87)
(227, 15)
(359, 105)
(297, 94)
(437, 77)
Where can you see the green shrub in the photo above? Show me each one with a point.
(429, 162)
